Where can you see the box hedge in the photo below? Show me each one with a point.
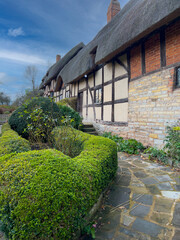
(11, 142)
(47, 195)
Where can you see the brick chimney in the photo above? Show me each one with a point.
(113, 9)
(58, 57)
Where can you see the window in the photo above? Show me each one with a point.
(177, 78)
(98, 96)
(60, 97)
(51, 94)
(67, 94)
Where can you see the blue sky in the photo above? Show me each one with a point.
(32, 32)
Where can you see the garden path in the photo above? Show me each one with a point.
(142, 203)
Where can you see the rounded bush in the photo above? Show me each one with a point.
(19, 119)
(71, 114)
(48, 194)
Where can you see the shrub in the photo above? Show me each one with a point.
(11, 142)
(109, 135)
(48, 195)
(70, 102)
(155, 153)
(130, 146)
(69, 113)
(39, 126)
(172, 146)
(68, 140)
(19, 119)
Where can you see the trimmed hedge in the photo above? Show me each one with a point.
(5, 127)
(48, 195)
(11, 142)
(18, 120)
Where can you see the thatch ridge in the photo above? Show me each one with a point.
(56, 68)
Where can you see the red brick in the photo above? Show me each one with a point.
(173, 43)
(135, 62)
(152, 53)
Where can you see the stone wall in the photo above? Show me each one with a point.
(153, 104)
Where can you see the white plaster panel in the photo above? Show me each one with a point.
(98, 77)
(89, 97)
(121, 112)
(84, 112)
(91, 81)
(121, 89)
(72, 90)
(98, 113)
(123, 59)
(84, 98)
(82, 84)
(76, 88)
(67, 88)
(107, 113)
(64, 93)
(108, 72)
(108, 93)
(90, 114)
(119, 70)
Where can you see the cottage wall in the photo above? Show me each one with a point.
(134, 95)
(154, 100)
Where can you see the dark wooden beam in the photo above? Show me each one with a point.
(113, 74)
(121, 64)
(87, 97)
(102, 108)
(143, 61)
(113, 123)
(129, 66)
(163, 47)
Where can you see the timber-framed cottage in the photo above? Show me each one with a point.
(127, 79)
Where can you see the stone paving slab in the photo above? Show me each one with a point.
(139, 210)
(144, 199)
(147, 227)
(143, 203)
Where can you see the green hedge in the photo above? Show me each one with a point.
(11, 142)
(5, 127)
(48, 194)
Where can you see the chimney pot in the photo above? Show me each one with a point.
(113, 9)
(58, 57)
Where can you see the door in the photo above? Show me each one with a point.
(80, 103)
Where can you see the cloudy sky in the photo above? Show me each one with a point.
(32, 32)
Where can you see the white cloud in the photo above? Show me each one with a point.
(22, 57)
(16, 32)
(2, 75)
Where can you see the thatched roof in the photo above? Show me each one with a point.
(57, 67)
(137, 19)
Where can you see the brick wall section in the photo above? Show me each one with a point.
(151, 108)
(152, 53)
(173, 43)
(135, 61)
